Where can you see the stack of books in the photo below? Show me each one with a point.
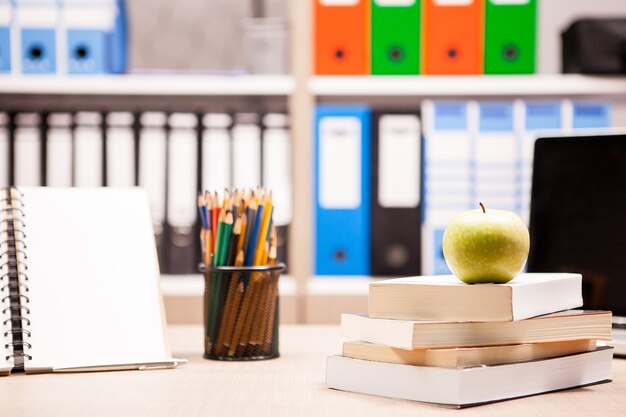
(435, 339)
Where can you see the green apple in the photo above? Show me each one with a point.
(482, 246)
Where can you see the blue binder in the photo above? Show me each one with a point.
(37, 31)
(447, 176)
(497, 157)
(89, 25)
(543, 115)
(6, 12)
(118, 42)
(342, 190)
(591, 115)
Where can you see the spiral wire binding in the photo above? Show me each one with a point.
(13, 278)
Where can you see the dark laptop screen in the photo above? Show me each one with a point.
(578, 215)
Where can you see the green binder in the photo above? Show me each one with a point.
(395, 36)
(510, 36)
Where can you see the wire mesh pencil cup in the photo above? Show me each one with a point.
(241, 312)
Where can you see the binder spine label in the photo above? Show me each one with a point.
(13, 283)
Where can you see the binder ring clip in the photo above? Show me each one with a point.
(20, 295)
(18, 355)
(20, 343)
(16, 308)
(14, 286)
(17, 331)
(26, 319)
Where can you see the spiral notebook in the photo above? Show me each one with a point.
(79, 282)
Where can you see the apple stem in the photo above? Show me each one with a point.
(482, 206)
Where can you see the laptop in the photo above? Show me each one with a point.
(578, 219)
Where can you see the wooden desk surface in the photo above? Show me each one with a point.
(292, 385)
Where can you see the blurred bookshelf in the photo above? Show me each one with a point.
(570, 85)
(149, 85)
(305, 298)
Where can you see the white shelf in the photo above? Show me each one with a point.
(468, 85)
(339, 285)
(150, 85)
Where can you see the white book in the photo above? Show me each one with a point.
(86, 280)
(445, 297)
(408, 334)
(461, 387)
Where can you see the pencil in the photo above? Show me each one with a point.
(232, 245)
(241, 317)
(226, 234)
(251, 213)
(233, 299)
(242, 236)
(260, 244)
(254, 237)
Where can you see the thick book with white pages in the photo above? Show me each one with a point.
(463, 357)
(80, 282)
(445, 297)
(462, 387)
(407, 334)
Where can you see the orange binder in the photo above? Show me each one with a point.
(341, 37)
(452, 36)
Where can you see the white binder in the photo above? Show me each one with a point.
(216, 152)
(59, 150)
(27, 150)
(120, 139)
(182, 172)
(497, 151)
(277, 166)
(246, 151)
(88, 150)
(152, 163)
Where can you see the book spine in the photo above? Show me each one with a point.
(14, 279)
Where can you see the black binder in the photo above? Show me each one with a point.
(396, 211)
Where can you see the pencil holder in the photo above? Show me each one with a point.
(241, 312)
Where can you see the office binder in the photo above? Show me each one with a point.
(34, 43)
(88, 150)
(541, 118)
(342, 190)
(216, 155)
(182, 247)
(59, 150)
(120, 148)
(452, 39)
(152, 172)
(497, 156)
(118, 40)
(448, 174)
(396, 200)
(277, 176)
(246, 151)
(510, 36)
(87, 299)
(4, 150)
(27, 150)
(341, 37)
(395, 46)
(6, 18)
(87, 25)
(591, 115)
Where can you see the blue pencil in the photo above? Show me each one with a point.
(254, 237)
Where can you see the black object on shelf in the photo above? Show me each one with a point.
(595, 46)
